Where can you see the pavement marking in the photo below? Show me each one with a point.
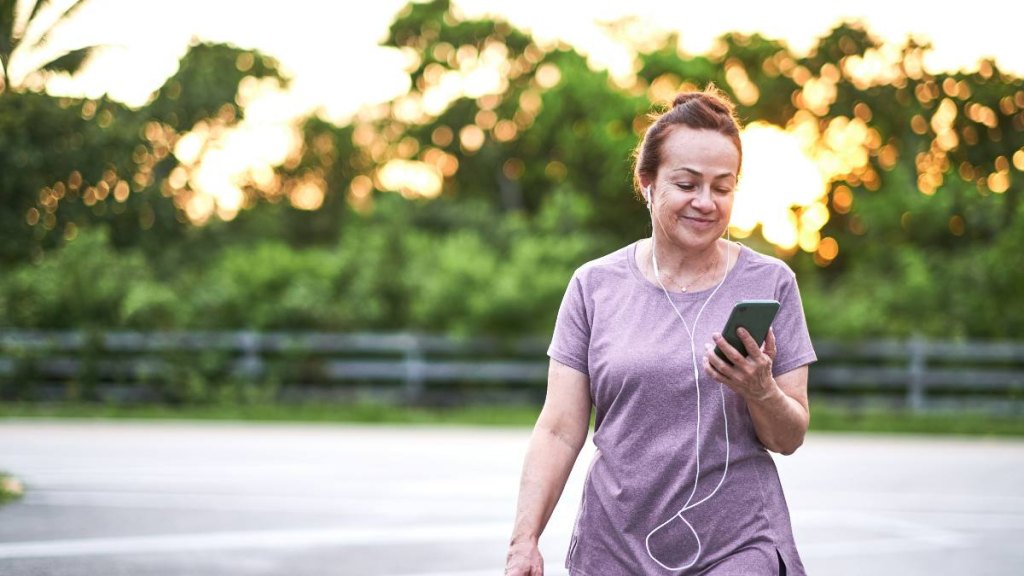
(901, 535)
(263, 539)
(400, 507)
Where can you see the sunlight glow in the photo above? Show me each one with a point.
(779, 181)
(308, 193)
(787, 174)
(736, 76)
(411, 178)
(473, 75)
(878, 67)
(220, 160)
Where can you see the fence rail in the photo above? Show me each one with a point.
(915, 371)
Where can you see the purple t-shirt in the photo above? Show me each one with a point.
(642, 511)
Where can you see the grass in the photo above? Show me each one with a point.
(326, 413)
(825, 418)
(883, 421)
(10, 488)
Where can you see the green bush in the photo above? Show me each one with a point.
(267, 286)
(152, 305)
(83, 284)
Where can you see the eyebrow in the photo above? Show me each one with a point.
(701, 174)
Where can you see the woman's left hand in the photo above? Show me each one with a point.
(749, 376)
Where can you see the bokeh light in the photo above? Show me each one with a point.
(781, 190)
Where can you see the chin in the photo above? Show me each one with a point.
(699, 238)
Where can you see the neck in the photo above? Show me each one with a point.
(678, 261)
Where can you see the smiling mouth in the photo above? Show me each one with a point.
(699, 220)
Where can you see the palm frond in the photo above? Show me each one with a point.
(70, 62)
(20, 18)
(36, 7)
(68, 13)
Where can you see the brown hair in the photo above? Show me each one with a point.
(710, 109)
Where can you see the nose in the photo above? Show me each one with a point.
(702, 200)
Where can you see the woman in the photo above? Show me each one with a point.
(681, 482)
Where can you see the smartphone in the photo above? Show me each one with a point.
(754, 315)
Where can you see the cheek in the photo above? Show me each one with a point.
(725, 204)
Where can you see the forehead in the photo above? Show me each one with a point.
(706, 151)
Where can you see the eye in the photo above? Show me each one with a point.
(687, 186)
(723, 190)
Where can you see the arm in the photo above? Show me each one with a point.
(778, 405)
(781, 419)
(557, 439)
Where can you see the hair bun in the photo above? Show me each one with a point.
(685, 97)
(711, 96)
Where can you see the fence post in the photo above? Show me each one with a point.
(414, 370)
(251, 365)
(917, 349)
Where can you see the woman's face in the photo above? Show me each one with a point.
(693, 190)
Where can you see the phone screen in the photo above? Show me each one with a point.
(754, 315)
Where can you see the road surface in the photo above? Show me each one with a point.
(232, 499)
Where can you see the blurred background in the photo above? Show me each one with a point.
(190, 196)
(369, 213)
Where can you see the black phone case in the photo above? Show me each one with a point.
(754, 315)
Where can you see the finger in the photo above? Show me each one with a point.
(709, 370)
(709, 353)
(714, 366)
(753, 350)
(769, 344)
(732, 355)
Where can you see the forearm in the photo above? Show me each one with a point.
(780, 421)
(549, 460)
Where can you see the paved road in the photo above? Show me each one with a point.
(202, 499)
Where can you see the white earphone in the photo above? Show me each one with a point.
(696, 380)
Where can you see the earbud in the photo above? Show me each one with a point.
(647, 195)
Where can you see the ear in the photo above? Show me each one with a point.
(645, 188)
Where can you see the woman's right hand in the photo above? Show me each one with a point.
(555, 443)
(524, 559)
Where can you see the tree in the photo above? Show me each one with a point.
(924, 167)
(70, 163)
(547, 122)
(527, 166)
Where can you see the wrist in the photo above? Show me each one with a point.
(771, 395)
(523, 539)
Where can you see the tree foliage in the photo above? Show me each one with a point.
(66, 164)
(531, 169)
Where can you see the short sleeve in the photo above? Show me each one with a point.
(792, 339)
(570, 342)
